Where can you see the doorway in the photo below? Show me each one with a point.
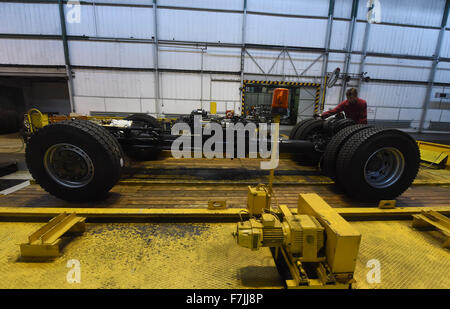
(303, 99)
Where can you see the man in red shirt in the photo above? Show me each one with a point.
(354, 108)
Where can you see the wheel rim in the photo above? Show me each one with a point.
(384, 167)
(68, 165)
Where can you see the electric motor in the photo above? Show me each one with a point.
(301, 235)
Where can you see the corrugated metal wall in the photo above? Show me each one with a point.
(199, 55)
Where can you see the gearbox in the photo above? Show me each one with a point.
(301, 235)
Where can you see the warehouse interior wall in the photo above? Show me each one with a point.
(49, 95)
(122, 59)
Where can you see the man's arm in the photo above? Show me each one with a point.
(363, 115)
(334, 111)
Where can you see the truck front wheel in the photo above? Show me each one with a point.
(75, 160)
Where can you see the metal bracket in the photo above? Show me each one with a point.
(387, 204)
(45, 242)
(213, 205)
(433, 219)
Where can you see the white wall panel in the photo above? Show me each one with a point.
(410, 114)
(125, 22)
(332, 97)
(109, 83)
(392, 95)
(32, 52)
(445, 116)
(355, 64)
(148, 106)
(209, 4)
(417, 12)
(180, 106)
(179, 58)
(110, 21)
(443, 72)
(294, 7)
(339, 34)
(433, 115)
(225, 91)
(22, 18)
(180, 86)
(140, 2)
(86, 26)
(387, 113)
(285, 31)
(222, 59)
(402, 40)
(89, 53)
(122, 105)
(399, 69)
(185, 25)
(445, 49)
(85, 105)
(343, 8)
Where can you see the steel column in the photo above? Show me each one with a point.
(244, 23)
(436, 55)
(348, 53)
(327, 48)
(62, 20)
(158, 106)
(364, 52)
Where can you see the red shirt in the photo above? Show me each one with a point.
(356, 111)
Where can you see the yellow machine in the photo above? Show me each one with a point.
(35, 120)
(315, 248)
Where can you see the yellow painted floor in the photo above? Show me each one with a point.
(168, 255)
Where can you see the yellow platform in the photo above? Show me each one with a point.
(200, 255)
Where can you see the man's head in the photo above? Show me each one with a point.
(352, 95)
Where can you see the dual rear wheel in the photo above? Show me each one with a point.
(368, 163)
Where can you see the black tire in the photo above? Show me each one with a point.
(297, 126)
(308, 128)
(353, 160)
(341, 124)
(328, 164)
(145, 118)
(141, 154)
(306, 132)
(328, 125)
(99, 147)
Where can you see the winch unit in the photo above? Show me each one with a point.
(313, 248)
(301, 235)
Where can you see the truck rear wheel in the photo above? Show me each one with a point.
(145, 119)
(297, 126)
(74, 160)
(312, 131)
(377, 164)
(341, 124)
(332, 150)
(142, 153)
